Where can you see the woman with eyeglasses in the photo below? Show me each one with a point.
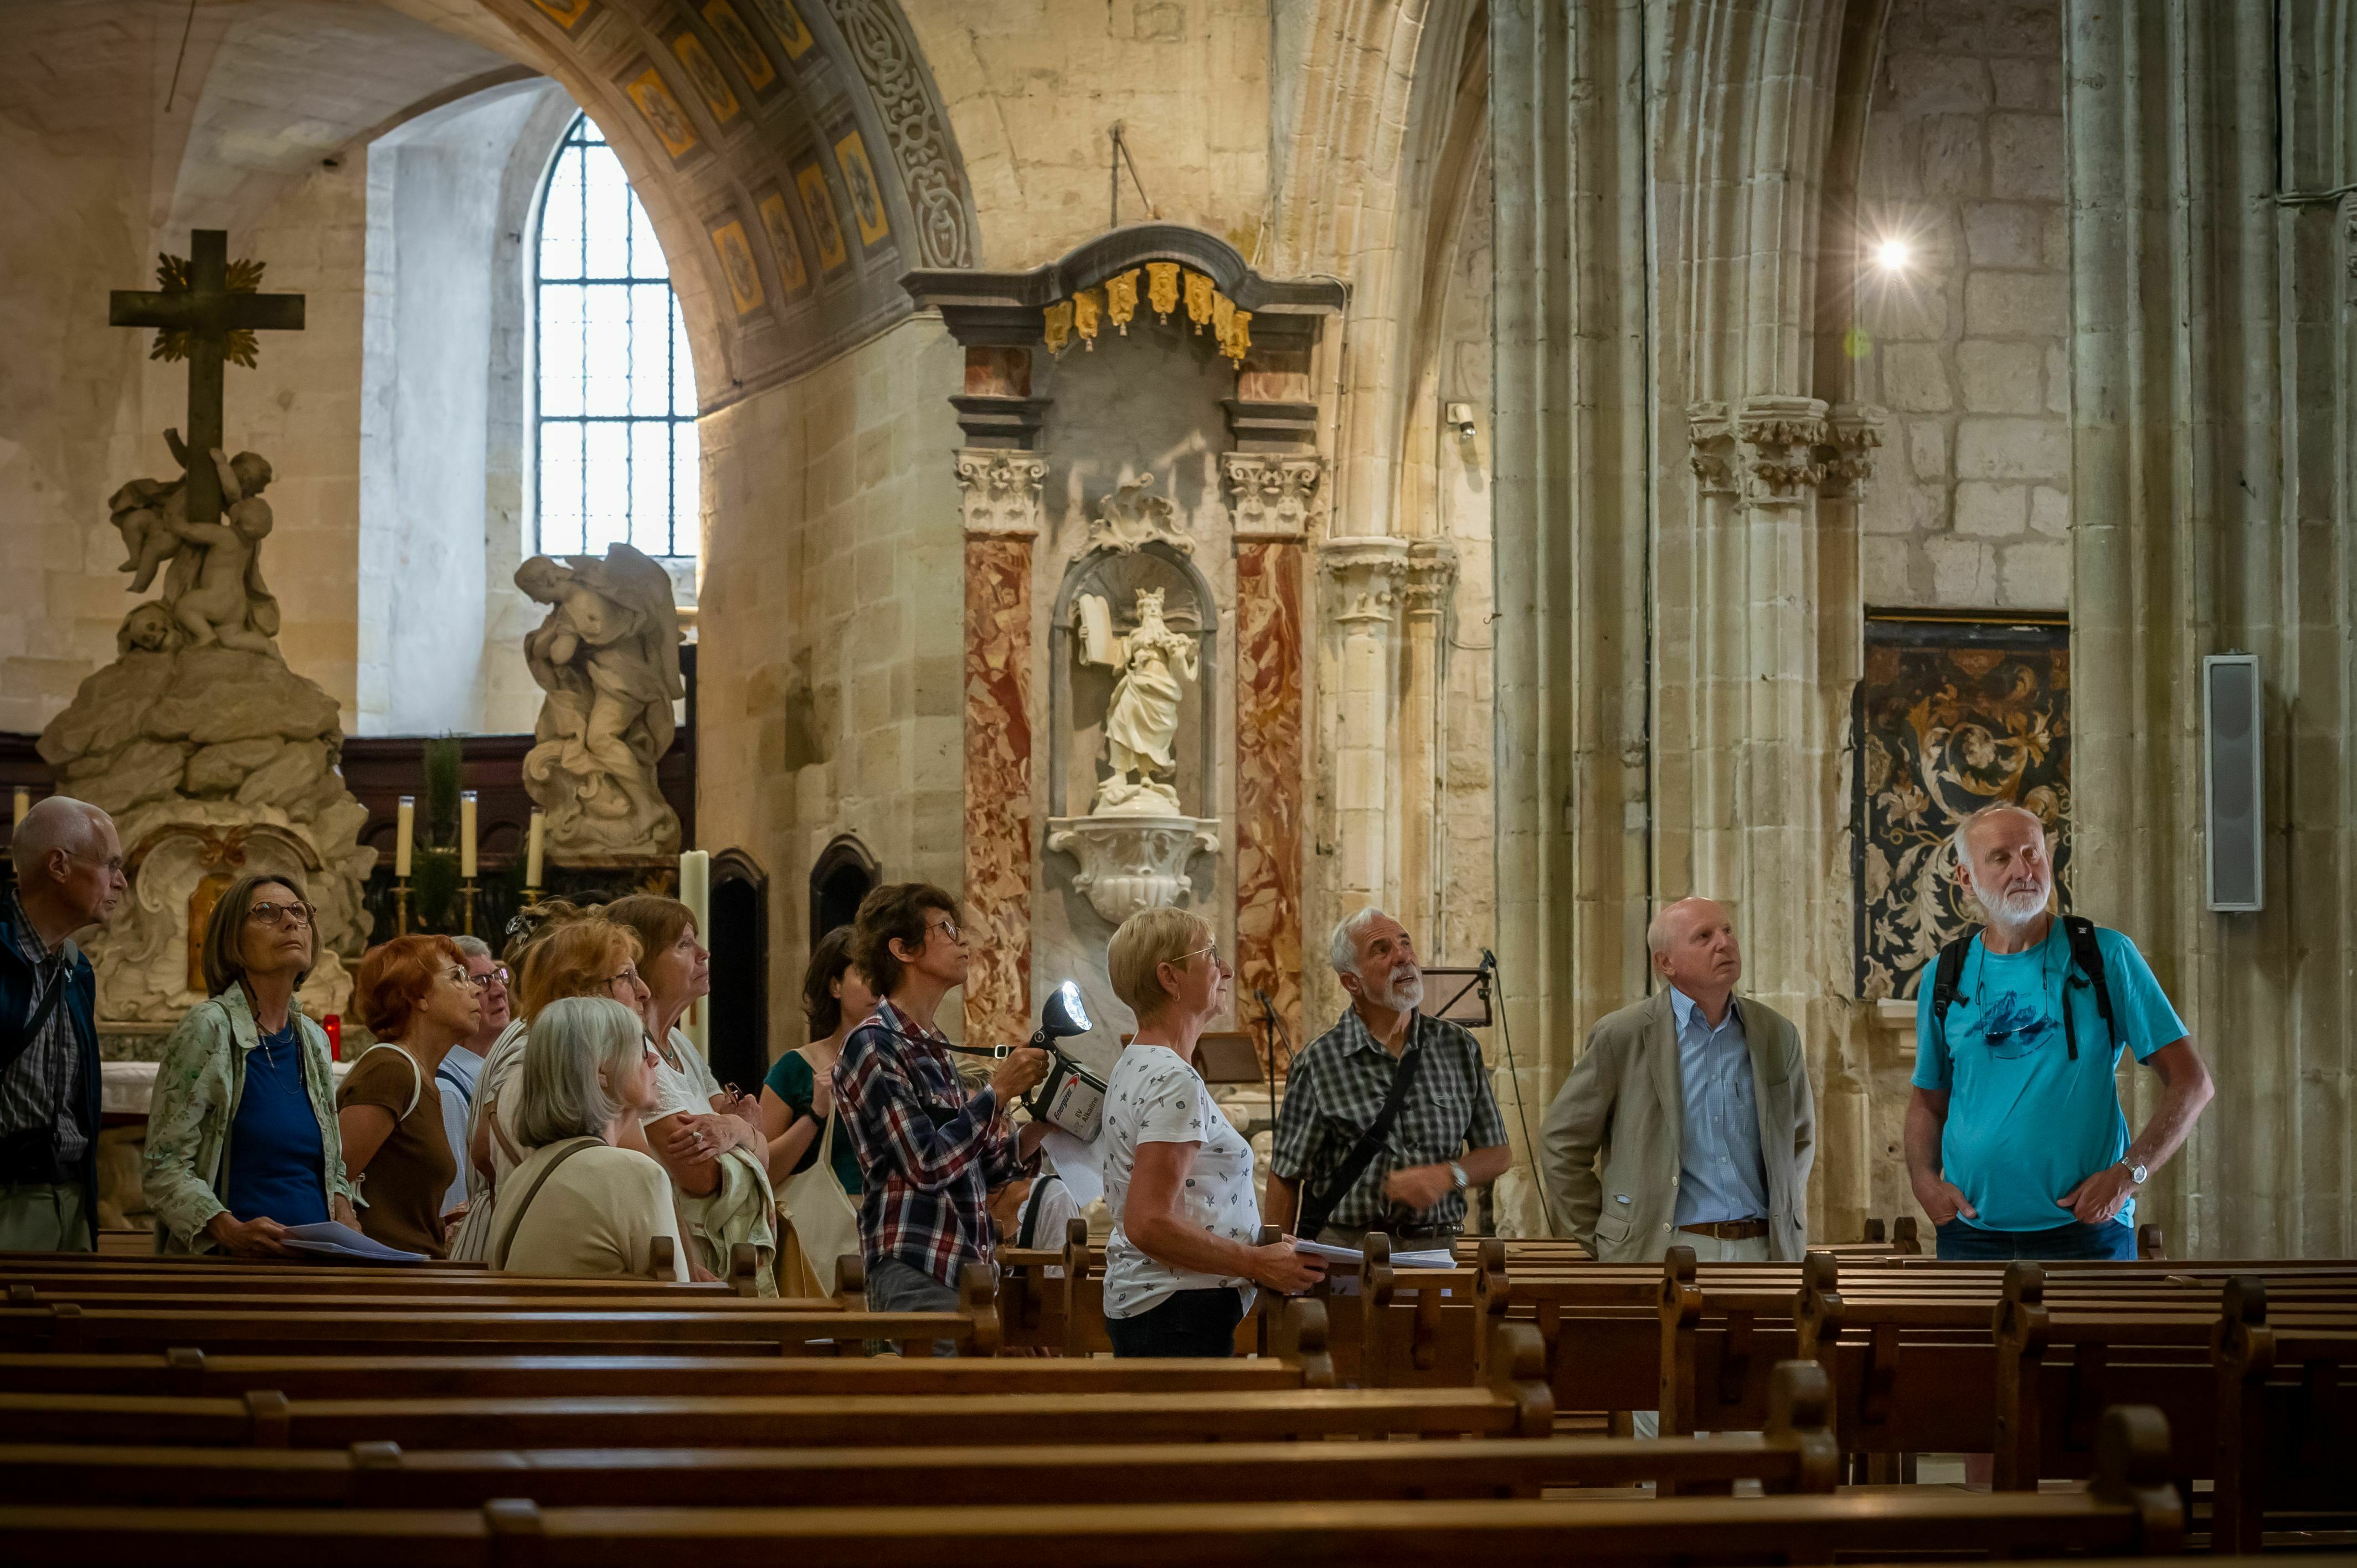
(575, 953)
(242, 1140)
(416, 997)
(456, 1075)
(1185, 1254)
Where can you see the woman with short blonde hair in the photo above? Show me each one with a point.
(1185, 1253)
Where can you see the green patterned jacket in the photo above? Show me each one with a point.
(197, 1086)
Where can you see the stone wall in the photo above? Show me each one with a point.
(829, 667)
(1964, 163)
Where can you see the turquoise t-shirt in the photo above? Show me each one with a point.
(2026, 1123)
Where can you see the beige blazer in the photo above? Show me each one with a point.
(1610, 1149)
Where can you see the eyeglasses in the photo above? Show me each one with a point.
(1217, 963)
(630, 974)
(946, 925)
(275, 915)
(495, 977)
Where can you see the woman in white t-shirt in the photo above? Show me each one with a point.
(578, 1203)
(1183, 1260)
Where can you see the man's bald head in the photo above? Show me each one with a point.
(69, 865)
(1694, 948)
(1673, 920)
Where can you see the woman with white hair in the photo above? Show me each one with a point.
(1185, 1254)
(580, 1204)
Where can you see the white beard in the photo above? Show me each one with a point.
(2012, 910)
(1405, 996)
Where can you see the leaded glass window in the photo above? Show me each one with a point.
(616, 430)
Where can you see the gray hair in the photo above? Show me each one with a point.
(55, 822)
(1959, 844)
(473, 947)
(1657, 930)
(1344, 948)
(577, 1045)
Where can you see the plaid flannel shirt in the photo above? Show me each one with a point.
(41, 1091)
(1334, 1092)
(929, 1151)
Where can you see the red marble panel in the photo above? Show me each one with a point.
(998, 790)
(1268, 780)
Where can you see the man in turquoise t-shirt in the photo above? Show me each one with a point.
(2015, 1149)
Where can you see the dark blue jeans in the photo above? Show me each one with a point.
(1191, 1323)
(2072, 1241)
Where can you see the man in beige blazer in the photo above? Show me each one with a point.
(1689, 1121)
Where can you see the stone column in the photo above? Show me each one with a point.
(999, 498)
(1276, 498)
(1427, 592)
(1364, 579)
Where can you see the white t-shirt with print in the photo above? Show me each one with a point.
(1152, 1097)
(687, 1087)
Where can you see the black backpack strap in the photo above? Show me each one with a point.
(1947, 976)
(2087, 958)
(1321, 1206)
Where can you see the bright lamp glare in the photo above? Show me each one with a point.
(1891, 255)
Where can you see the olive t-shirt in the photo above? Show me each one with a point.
(402, 1186)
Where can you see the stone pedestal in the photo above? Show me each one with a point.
(1129, 863)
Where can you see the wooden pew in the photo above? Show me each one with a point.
(1793, 1455)
(2129, 1511)
(2283, 1419)
(225, 1272)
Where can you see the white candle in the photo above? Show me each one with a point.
(532, 853)
(696, 892)
(403, 834)
(23, 804)
(467, 834)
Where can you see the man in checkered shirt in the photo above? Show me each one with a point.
(1447, 1135)
(930, 1153)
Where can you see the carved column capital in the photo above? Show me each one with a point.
(1762, 451)
(999, 492)
(1367, 576)
(1852, 432)
(1274, 496)
(1430, 578)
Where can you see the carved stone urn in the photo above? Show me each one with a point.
(1129, 863)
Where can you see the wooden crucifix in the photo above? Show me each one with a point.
(209, 321)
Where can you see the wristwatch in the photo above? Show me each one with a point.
(2137, 1174)
(1457, 1176)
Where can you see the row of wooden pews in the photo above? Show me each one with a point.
(222, 1412)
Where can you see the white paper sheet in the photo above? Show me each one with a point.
(1430, 1257)
(328, 1238)
(1078, 1164)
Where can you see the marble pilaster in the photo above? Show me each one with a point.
(999, 502)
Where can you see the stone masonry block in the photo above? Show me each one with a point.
(2016, 304)
(2026, 156)
(2004, 234)
(1998, 448)
(1927, 448)
(2035, 576)
(2057, 380)
(1963, 571)
(1937, 84)
(2001, 378)
(2049, 511)
(1886, 569)
(1991, 511)
(2035, 84)
(1954, 160)
(1915, 378)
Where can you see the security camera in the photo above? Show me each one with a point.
(1460, 419)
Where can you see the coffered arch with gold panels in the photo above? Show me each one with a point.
(792, 154)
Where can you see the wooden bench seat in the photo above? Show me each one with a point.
(2286, 1407)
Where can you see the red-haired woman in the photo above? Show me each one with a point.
(415, 995)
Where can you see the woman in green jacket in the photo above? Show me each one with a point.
(241, 1135)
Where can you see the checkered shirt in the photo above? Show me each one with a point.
(929, 1151)
(1336, 1088)
(42, 1087)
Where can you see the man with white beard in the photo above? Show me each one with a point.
(2016, 1146)
(1388, 1117)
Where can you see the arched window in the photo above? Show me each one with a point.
(617, 446)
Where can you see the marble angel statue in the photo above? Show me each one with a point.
(1142, 719)
(213, 591)
(608, 656)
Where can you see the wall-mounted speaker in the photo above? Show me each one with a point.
(2234, 742)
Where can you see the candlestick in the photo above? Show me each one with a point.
(696, 892)
(401, 906)
(466, 905)
(532, 866)
(404, 837)
(467, 837)
(23, 804)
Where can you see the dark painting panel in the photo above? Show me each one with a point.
(1952, 715)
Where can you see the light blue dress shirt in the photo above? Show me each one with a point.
(1721, 1174)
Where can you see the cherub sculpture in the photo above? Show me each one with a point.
(213, 591)
(1142, 719)
(607, 656)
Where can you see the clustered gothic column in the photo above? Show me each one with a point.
(999, 498)
(1275, 496)
(1428, 590)
(1364, 578)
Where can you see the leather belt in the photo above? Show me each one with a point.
(1730, 1229)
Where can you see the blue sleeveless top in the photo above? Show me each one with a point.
(278, 1164)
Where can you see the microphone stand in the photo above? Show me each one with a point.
(1268, 1018)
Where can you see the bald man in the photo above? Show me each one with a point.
(69, 877)
(1689, 1121)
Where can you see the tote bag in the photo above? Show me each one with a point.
(824, 1218)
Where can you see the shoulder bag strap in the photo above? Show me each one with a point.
(507, 1237)
(1947, 976)
(41, 1011)
(417, 1089)
(1363, 1152)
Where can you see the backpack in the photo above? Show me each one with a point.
(2085, 956)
